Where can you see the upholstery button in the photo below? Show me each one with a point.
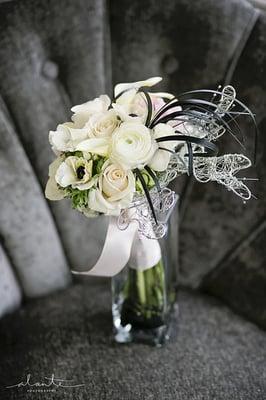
(50, 69)
(170, 64)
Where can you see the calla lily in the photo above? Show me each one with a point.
(131, 104)
(163, 95)
(122, 87)
(52, 191)
(98, 146)
(66, 137)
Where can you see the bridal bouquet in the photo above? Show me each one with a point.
(116, 157)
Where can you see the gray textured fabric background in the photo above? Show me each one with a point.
(58, 53)
(55, 54)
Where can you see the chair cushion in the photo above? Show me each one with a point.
(215, 355)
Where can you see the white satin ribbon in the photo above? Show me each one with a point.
(122, 246)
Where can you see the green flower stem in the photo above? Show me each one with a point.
(144, 297)
(140, 286)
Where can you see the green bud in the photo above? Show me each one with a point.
(148, 180)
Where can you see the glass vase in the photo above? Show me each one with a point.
(144, 304)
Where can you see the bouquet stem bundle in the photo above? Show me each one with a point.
(144, 298)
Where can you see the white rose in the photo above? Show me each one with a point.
(115, 190)
(66, 137)
(102, 125)
(132, 145)
(83, 112)
(75, 172)
(116, 183)
(52, 191)
(161, 158)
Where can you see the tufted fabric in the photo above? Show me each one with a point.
(190, 44)
(27, 226)
(48, 64)
(58, 53)
(240, 276)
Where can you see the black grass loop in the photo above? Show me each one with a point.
(156, 181)
(146, 191)
(237, 102)
(149, 105)
(211, 148)
(190, 158)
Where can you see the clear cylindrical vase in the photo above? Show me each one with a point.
(144, 303)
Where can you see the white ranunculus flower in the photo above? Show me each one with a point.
(115, 190)
(66, 137)
(132, 145)
(161, 158)
(102, 125)
(75, 172)
(52, 191)
(83, 112)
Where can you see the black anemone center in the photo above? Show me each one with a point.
(80, 172)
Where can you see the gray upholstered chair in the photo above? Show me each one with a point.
(58, 53)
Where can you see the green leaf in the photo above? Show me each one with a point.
(79, 198)
(74, 153)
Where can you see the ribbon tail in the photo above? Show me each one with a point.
(116, 250)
